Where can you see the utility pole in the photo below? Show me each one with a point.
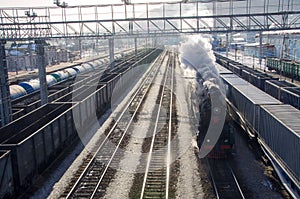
(111, 51)
(227, 44)
(294, 71)
(80, 48)
(282, 55)
(253, 63)
(135, 46)
(5, 102)
(235, 52)
(40, 50)
(260, 49)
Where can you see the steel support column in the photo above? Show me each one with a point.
(111, 51)
(227, 46)
(214, 13)
(80, 48)
(5, 102)
(154, 41)
(40, 50)
(135, 46)
(260, 49)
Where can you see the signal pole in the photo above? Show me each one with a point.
(5, 101)
(40, 50)
(111, 51)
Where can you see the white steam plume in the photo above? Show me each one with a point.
(195, 54)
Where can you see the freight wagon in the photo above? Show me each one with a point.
(247, 99)
(6, 175)
(27, 87)
(281, 90)
(291, 95)
(279, 134)
(23, 102)
(35, 139)
(273, 124)
(255, 77)
(288, 68)
(274, 87)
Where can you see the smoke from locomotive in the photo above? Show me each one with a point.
(207, 92)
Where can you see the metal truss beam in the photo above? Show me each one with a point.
(147, 19)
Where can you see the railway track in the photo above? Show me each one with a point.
(158, 167)
(224, 182)
(98, 169)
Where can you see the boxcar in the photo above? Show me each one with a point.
(291, 95)
(247, 99)
(279, 132)
(35, 139)
(6, 175)
(222, 70)
(273, 87)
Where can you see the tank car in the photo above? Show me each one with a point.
(50, 80)
(88, 67)
(31, 86)
(16, 91)
(71, 71)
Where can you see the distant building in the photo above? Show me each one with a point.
(286, 42)
(21, 62)
(50, 55)
(253, 49)
(238, 41)
(62, 55)
(23, 56)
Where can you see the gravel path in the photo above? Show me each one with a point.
(121, 184)
(189, 181)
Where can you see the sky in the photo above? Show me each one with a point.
(32, 3)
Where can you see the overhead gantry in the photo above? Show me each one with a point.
(137, 20)
(148, 19)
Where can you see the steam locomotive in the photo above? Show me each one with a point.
(214, 125)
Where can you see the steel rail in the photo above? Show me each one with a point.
(237, 183)
(230, 180)
(170, 129)
(128, 125)
(74, 187)
(154, 132)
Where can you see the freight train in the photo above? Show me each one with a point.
(27, 87)
(271, 122)
(286, 67)
(284, 91)
(32, 142)
(24, 102)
